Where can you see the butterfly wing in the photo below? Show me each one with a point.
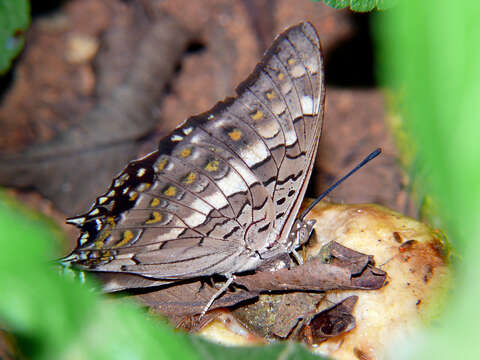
(222, 191)
(289, 84)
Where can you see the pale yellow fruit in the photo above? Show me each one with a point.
(414, 258)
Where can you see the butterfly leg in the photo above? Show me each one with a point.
(217, 294)
(297, 257)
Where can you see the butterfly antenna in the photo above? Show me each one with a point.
(371, 156)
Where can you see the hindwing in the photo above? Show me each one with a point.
(221, 193)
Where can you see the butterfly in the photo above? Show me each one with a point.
(221, 194)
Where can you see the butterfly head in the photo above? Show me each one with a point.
(300, 233)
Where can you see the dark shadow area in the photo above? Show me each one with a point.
(351, 63)
(195, 47)
(45, 7)
(6, 81)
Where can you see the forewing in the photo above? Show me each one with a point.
(225, 186)
(287, 89)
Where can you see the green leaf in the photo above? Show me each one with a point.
(361, 5)
(53, 317)
(284, 351)
(14, 21)
(336, 4)
(429, 51)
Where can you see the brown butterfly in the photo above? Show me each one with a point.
(222, 192)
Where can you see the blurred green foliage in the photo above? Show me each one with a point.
(282, 351)
(361, 5)
(14, 21)
(55, 317)
(428, 51)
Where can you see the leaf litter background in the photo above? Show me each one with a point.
(100, 82)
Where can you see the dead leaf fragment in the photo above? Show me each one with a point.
(331, 322)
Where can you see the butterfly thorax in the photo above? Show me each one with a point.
(251, 258)
(300, 233)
